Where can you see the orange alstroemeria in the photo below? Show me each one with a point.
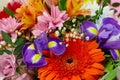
(27, 14)
(73, 8)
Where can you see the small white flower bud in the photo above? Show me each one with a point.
(57, 33)
(3, 43)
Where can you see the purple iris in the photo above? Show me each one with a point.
(108, 35)
(89, 29)
(32, 52)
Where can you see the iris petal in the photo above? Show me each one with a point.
(31, 56)
(57, 46)
(114, 53)
(89, 29)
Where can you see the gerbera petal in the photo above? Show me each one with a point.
(44, 74)
(88, 77)
(94, 71)
(115, 53)
(50, 76)
(98, 66)
(65, 78)
(89, 28)
(75, 78)
(57, 46)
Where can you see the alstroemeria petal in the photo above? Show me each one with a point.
(57, 46)
(89, 28)
(114, 53)
(31, 57)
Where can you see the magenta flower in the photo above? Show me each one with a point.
(9, 25)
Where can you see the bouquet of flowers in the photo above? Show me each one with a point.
(59, 40)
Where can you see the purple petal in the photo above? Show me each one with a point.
(112, 21)
(31, 57)
(114, 54)
(41, 42)
(89, 28)
(57, 46)
(111, 45)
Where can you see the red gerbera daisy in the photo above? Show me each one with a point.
(81, 60)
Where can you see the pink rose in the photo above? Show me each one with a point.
(7, 65)
(24, 76)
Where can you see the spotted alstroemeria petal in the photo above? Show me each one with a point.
(57, 46)
(31, 56)
(115, 53)
(89, 29)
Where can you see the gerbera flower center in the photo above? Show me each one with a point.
(69, 60)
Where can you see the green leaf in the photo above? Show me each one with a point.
(106, 2)
(19, 45)
(111, 75)
(62, 5)
(6, 37)
(11, 13)
(109, 66)
(18, 49)
(116, 4)
(20, 41)
(19, 56)
(5, 51)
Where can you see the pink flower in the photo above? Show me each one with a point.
(9, 25)
(39, 28)
(24, 76)
(48, 21)
(7, 65)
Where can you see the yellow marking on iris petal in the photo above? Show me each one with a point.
(93, 30)
(36, 58)
(52, 44)
(117, 52)
(31, 46)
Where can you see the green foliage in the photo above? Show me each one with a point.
(109, 66)
(19, 45)
(11, 13)
(5, 51)
(116, 4)
(106, 2)
(111, 75)
(6, 37)
(62, 5)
